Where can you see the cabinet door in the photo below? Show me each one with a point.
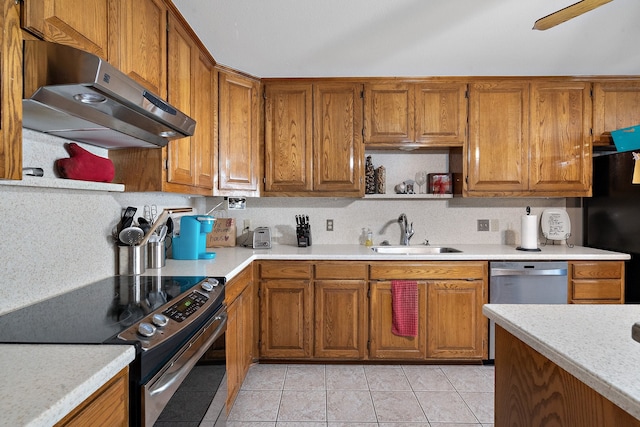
(10, 92)
(288, 138)
(238, 133)
(498, 147)
(338, 153)
(384, 344)
(560, 142)
(389, 113)
(203, 113)
(440, 114)
(239, 342)
(616, 105)
(138, 45)
(181, 153)
(285, 319)
(340, 319)
(455, 325)
(79, 23)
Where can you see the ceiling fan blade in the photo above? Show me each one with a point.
(567, 13)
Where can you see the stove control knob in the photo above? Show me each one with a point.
(209, 284)
(159, 320)
(146, 329)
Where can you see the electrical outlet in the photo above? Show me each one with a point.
(246, 224)
(329, 225)
(483, 225)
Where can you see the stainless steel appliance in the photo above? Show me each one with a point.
(76, 95)
(542, 282)
(171, 321)
(610, 217)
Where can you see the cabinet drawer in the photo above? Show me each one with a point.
(285, 270)
(428, 270)
(607, 289)
(597, 270)
(341, 270)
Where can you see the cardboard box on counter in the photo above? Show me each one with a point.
(223, 233)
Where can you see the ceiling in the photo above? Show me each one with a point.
(342, 38)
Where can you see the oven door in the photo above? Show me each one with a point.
(159, 389)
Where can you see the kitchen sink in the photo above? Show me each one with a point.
(414, 250)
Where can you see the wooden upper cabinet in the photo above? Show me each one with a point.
(529, 138)
(616, 105)
(138, 42)
(441, 114)
(313, 139)
(238, 134)
(10, 92)
(288, 137)
(498, 148)
(80, 23)
(427, 114)
(182, 56)
(338, 152)
(185, 165)
(389, 110)
(204, 98)
(560, 153)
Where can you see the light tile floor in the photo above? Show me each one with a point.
(362, 395)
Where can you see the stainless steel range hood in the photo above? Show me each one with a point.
(76, 95)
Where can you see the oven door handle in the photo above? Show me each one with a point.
(166, 381)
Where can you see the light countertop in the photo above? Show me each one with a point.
(42, 383)
(230, 261)
(591, 342)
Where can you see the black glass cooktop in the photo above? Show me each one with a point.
(92, 314)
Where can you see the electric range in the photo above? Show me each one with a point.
(171, 321)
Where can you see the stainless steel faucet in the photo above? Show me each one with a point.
(406, 231)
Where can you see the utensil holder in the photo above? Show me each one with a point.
(132, 259)
(156, 257)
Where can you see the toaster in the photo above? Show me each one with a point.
(260, 238)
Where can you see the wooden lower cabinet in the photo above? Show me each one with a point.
(109, 406)
(596, 282)
(455, 326)
(332, 297)
(384, 344)
(239, 338)
(451, 324)
(285, 318)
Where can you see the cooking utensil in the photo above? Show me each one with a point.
(127, 218)
(131, 236)
(161, 219)
(144, 224)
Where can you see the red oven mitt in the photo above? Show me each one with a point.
(85, 166)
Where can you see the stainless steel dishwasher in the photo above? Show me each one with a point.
(526, 283)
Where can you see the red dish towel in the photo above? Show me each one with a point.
(404, 295)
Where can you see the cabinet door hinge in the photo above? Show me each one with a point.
(166, 164)
(362, 94)
(259, 292)
(368, 345)
(466, 93)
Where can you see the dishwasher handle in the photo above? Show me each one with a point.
(528, 272)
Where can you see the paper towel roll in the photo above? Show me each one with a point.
(529, 227)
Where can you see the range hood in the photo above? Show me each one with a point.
(76, 95)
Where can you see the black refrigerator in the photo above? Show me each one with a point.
(612, 215)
